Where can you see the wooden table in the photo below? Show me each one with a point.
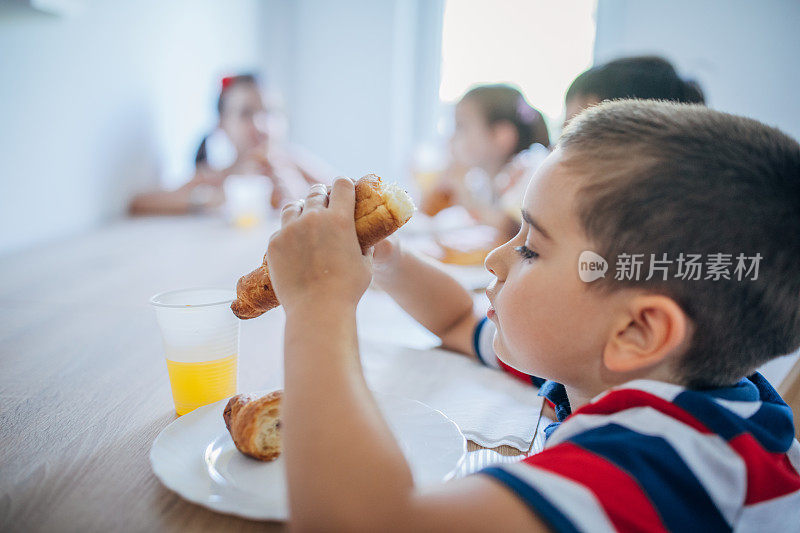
(83, 383)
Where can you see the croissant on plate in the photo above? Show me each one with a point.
(379, 211)
(255, 424)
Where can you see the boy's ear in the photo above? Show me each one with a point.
(651, 329)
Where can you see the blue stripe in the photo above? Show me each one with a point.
(540, 505)
(670, 485)
(771, 425)
(766, 392)
(721, 421)
(537, 382)
(557, 394)
(744, 391)
(551, 427)
(476, 336)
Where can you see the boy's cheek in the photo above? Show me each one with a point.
(522, 330)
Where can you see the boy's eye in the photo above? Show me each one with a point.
(526, 252)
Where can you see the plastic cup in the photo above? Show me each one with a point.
(201, 345)
(246, 200)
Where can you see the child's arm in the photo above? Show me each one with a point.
(427, 293)
(345, 470)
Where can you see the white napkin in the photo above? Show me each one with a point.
(490, 407)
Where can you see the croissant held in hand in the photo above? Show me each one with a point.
(380, 210)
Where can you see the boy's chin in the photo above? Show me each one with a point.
(503, 357)
(509, 361)
(515, 366)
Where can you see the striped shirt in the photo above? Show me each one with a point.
(653, 456)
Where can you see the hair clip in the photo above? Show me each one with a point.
(525, 111)
(226, 82)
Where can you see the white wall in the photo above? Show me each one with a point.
(106, 101)
(744, 53)
(360, 77)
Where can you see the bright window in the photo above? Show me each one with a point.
(537, 45)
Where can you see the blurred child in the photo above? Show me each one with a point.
(497, 133)
(639, 77)
(670, 429)
(643, 77)
(249, 140)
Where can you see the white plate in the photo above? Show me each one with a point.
(195, 457)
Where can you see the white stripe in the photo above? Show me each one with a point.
(577, 502)
(777, 514)
(794, 455)
(667, 391)
(718, 468)
(741, 408)
(486, 344)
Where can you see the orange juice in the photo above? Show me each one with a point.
(426, 180)
(246, 220)
(198, 384)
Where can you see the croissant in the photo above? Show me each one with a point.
(255, 424)
(380, 210)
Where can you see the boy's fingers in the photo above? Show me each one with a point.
(317, 198)
(343, 195)
(291, 211)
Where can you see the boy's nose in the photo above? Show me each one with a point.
(492, 261)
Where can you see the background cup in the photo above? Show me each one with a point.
(246, 200)
(201, 344)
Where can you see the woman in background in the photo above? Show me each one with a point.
(248, 141)
(498, 140)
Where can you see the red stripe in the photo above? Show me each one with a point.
(769, 475)
(616, 401)
(787, 464)
(623, 500)
(522, 376)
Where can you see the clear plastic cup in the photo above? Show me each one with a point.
(201, 345)
(246, 200)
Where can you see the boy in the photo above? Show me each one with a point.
(666, 432)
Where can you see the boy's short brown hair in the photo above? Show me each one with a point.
(666, 178)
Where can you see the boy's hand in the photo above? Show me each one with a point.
(315, 259)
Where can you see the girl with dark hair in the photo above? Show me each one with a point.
(247, 141)
(644, 77)
(498, 140)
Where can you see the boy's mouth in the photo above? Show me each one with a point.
(490, 313)
(490, 294)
